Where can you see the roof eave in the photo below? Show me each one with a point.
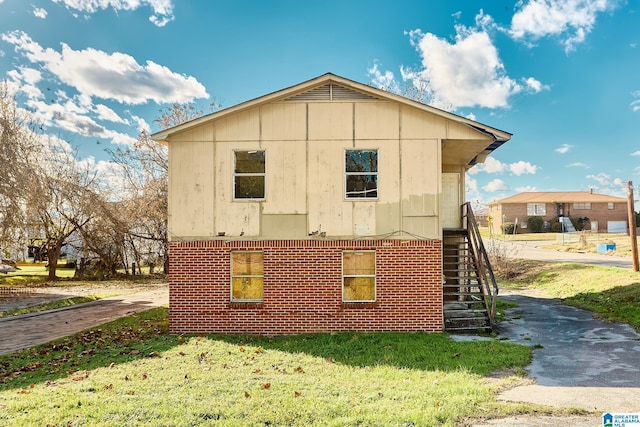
(499, 136)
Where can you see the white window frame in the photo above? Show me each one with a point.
(586, 206)
(372, 173)
(375, 280)
(611, 206)
(536, 209)
(246, 174)
(242, 300)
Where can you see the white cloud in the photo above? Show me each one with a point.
(117, 76)
(384, 80)
(27, 79)
(535, 85)
(466, 73)
(602, 178)
(141, 123)
(636, 153)
(577, 165)
(492, 165)
(564, 148)
(38, 12)
(526, 189)
(570, 20)
(635, 105)
(495, 186)
(106, 113)
(162, 9)
(472, 184)
(523, 168)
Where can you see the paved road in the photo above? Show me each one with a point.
(531, 250)
(20, 332)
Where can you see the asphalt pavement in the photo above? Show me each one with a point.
(578, 362)
(532, 250)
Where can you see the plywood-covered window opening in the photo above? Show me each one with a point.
(358, 276)
(249, 175)
(247, 276)
(536, 209)
(361, 174)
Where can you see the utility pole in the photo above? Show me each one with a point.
(632, 228)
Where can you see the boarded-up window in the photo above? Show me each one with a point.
(247, 276)
(358, 276)
(361, 174)
(536, 209)
(249, 175)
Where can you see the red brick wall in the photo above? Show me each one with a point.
(303, 288)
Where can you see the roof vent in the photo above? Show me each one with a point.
(332, 92)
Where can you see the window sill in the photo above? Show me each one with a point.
(358, 305)
(240, 305)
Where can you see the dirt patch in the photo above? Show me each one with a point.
(594, 420)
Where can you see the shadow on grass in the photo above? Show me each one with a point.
(146, 334)
(401, 350)
(124, 340)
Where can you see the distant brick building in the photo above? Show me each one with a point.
(606, 214)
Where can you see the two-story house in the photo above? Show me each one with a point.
(600, 212)
(317, 208)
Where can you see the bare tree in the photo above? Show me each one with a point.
(60, 198)
(19, 134)
(145, 168)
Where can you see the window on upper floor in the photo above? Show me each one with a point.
(611, 205)
(249, 175)
(358, 276)
(582, 206)
(361, 174)
(536, 209)
(247, 276)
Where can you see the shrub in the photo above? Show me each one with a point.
(556, 227)
(502, 259)
(580, 223)
(508, 228)
(535, 224)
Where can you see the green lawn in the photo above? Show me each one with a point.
(132, 372)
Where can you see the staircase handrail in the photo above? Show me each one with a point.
(485, 272)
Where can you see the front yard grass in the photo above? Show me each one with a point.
(132, 372)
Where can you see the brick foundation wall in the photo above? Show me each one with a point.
(303, 288)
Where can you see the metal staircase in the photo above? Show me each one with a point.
(469, 286)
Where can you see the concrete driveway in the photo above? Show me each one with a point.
(578, 361)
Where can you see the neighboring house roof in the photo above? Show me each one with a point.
(560, 197)
(318, 89)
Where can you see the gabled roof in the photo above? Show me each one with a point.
(318, 88)
(559, 197)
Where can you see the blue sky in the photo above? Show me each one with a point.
(562, 75)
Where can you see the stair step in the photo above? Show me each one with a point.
(467, 312)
